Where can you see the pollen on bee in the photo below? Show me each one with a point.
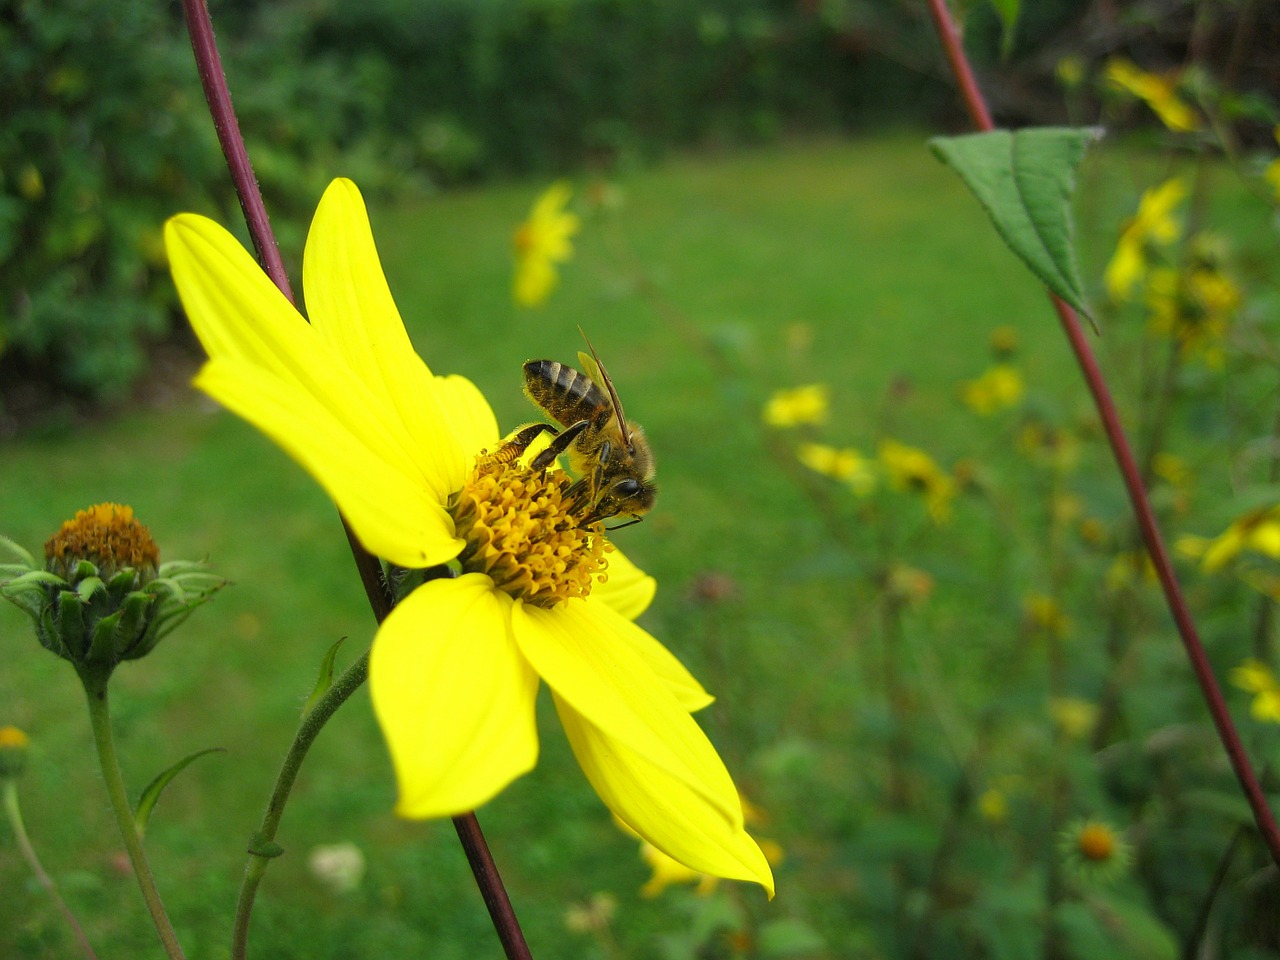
(520, 532)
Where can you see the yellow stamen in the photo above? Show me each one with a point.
(108, 536)
(520, 533)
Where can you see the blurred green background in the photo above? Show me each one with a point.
(779, 221)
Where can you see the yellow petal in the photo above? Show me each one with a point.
(688, 692)
(663, 809)
(629, 590)
(352, 309)
(586, 654)
(467, 414)
(391, 515)
(240, 316)
(453, 695)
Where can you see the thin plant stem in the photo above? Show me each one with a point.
(263, 849)
(13, 811)
(1131, 476)
(218, 96)
(95, 688)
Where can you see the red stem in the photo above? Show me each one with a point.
(1138, 499)
(218, 97)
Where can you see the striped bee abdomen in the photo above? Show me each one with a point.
(563, 392)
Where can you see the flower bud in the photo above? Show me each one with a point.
(13, 752)
(103, 596)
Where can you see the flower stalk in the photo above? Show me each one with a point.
(949, 36)
(95, 680)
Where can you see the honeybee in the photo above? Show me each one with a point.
(608, 452)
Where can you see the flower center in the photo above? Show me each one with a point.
(520, 533)
(109, 537)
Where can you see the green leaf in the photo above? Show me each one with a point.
(325, 680)
(1024, 181)
(147, 802)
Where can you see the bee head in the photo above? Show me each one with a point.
(626, 496)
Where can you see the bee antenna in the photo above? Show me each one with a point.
(608, 385)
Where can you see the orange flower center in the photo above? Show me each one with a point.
(109, 537)
(520, 533)
(1096, 842)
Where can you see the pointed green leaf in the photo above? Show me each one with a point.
(147, 802)
(325, 680)
(1024, 180)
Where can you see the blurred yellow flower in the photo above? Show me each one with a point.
(1254, 676)
(1048, 445)
(844, 464)
(1158, 92)
(998, 388)
(542, 242)
(1130, 569)
(1043, 614)
(1272, 173)
(13, 751)
(911, 469)
(993, 805)
(1194, 307)
(798, 405)
(1258, 531)
(1093, 850)
(1004, 342)
(1152, 226)
(1074, 718)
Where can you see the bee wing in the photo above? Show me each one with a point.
(596, 371)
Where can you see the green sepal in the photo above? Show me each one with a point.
(131, 638)
(49, 633)
(69, 618)
(87, 587)
(259, 846)
(34, 578)
(84, 568)
(151, 794)
(103, 646)
(123, 582)
(325, 680)
(24, 556)
(1024, 180)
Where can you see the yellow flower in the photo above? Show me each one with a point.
(993, 805)
(1256, 677)
(998, 388)
(910, 468)
(1074, 717)
(1258, 531)
(1094, 851)
(1159, 93)
(846, 465)
(1272, 172)
(1043, 614)
(1151, 227)
(542, 242)
(456, 667)
(798, 405)
(1194, 306)
(13, 751)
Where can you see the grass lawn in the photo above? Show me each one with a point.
(875, 250)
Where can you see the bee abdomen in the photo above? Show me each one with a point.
(562, 391)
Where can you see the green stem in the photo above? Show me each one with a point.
(262, 849)
(95, 687)
(14, 812)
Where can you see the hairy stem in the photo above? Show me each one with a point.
(1129, 472)
(95, 688)
(13, 811)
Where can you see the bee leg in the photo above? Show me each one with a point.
(520, 442)
(558, 446)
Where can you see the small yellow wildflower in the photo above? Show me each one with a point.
(797, 406)
(1004, 342)
(999, 388)
(1258, 531)
(1074, 718)
(1194, 307)
(844, 464)
(1159, 93)
(1254, 676)
(910, 468)
(1043, 614)
(1093, 850)
(1272, 173)
(13, 751)
(542, 242)
(1153, 226)
(993, 805)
